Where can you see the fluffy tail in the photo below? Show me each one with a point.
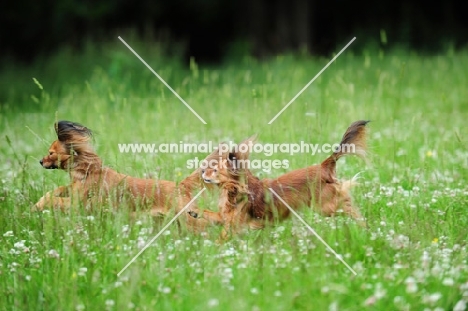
(353, 142)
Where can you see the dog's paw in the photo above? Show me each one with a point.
(193, 214)
(42, 203)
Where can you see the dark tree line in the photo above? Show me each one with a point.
(208, 28)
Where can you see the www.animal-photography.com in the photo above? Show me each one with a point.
(219, 155)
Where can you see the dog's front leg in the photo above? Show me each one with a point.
(62, 191)
(231, 224)
(58, 198)
(213, 217)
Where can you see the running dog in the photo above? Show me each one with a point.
(92, 183)
(247, 201)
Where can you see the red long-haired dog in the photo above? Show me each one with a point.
(193, 184)
(92, 183)
(247, 201)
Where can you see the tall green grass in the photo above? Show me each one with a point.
(413, 192)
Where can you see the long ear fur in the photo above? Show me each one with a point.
(249, 142)
(238, 158)
(68, 131)
(74, 135)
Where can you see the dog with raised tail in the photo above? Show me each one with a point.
(246, 200)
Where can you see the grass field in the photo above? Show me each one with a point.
(413, 191)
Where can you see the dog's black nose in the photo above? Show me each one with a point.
(40, 162)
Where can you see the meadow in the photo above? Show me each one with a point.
(412, 190)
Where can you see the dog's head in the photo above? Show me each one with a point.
(58, 157)
(72, 140)
(216, 174)
(229, 165)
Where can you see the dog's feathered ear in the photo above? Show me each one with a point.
(244, 148)
(68, 131)
(232, 161)
(239, 155)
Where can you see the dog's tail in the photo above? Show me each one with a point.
(353, 142)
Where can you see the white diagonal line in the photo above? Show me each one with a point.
(160, 232)
(313, 231)
(162, 80)
(310, 82)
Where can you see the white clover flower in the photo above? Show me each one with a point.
(82, 271)
(207, 242)
(460, 306)
(125, 229)
(14, 252)
(230, 252)
(400, 241)
(333, 306)
(380, 292)
(370, 301)
(213, 303)
(425, 258)
(164, 289)
(110, 303)
(140, 242)
(8, 233)
(228, 273)
(144, 231)
(432, 298)
(53, 253)
(19, 244)
(411, 286)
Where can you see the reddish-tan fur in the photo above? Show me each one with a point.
(187, 189)
(315, 186)
(192, 185)
(92, 183)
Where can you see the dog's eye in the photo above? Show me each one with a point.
(51, 153)
(215, 170)
(203, 171)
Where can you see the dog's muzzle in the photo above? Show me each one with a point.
(52, 167)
